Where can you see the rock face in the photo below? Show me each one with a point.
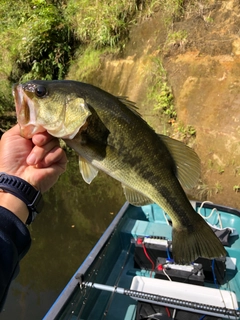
(202, 61)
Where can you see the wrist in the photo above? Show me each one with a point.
(24, 191)
(15, 205)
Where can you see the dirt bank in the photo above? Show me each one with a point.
(203, 69)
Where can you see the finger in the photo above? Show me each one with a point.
(39, 153)
(44, 178)
(49, 176)
(56, 156)
(42, 138)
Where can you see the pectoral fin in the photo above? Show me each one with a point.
(187, 162)
(134, 197)
(88, 171)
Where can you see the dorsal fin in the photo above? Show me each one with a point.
(129, 104)
(187, 162)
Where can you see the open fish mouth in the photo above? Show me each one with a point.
(38, 113)
(26, 113)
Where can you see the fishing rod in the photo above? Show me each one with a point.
(165, 301)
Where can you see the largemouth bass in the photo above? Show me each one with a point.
(109, 135)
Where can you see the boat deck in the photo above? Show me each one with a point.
(115, 266)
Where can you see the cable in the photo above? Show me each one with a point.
(174, 313)
(202, 204)
(146, 254)
(164, 271)
(168, 255)
(211, 213)
(213, 273)
(168, 312)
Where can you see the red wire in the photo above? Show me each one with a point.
(146, 254)
(168, 312)
(153, 266)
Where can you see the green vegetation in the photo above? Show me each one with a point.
(205, 191)
(177, 38)
(37, 38)
(236, 188)
(173, 10)
(101, 23)
(87, 60)
(160, 92)
(36, 42)
(186, 132)
(40, 38)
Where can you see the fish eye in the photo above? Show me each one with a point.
(40, 91)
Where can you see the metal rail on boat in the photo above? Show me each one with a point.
(175, 303)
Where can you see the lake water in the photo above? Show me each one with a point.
(74, 217)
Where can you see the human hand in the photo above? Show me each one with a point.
(40, 161)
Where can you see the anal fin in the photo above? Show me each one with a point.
(134, 197)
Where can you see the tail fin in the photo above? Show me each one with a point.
(200, 241)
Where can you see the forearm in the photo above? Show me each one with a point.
(27, 169)
(14, 243)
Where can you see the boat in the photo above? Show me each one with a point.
(130, 273)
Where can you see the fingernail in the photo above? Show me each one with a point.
(31, 159)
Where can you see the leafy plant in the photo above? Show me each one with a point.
(87, 61)
(160, 92)
(205, 191)
(104, 23)
(45, 49)
(186, 131)
(39, 38)
(236, 188)
(177, 38)
(173, 9)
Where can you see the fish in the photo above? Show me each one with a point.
(108, 134)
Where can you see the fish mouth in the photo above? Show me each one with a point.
(26, 113)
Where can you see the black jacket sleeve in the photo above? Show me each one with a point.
(15, 241)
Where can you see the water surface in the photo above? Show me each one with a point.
(74, 217)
